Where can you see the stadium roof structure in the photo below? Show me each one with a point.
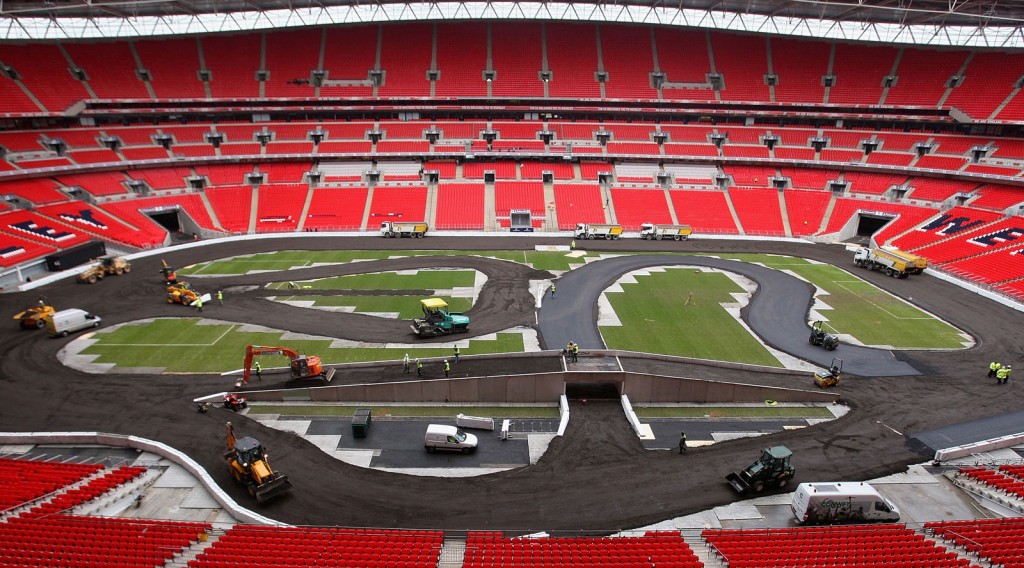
(973, 23)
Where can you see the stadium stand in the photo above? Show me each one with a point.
(921, 76)
(110, 68)
(460, 206)
(510, 195)
(706, 211)
(655, 548)
(991, 237)
(232, 61)
(232, 205)
(279, 207)
(995, 196)
(349, 55)
(628, 60)
(758, 211)
(291, 56)
(172, 77)
(405, 59)
(995, 540)
(945, 225)
(572, 60)
(872, 183)
(397, 204)
(930, 189)
(516, 57)
(986, 83)
(578, 203)
(337, 209)
(98, 184)
(805, 210)
(133, 211)
(45, 72)
(860, 71)
(91, 220)
(634, 207)
(37, 228)
(15, 250)
(990, 268)
(461, 60)
(743, 61)
(38, 191)
(800, 65)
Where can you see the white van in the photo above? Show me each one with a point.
(67, 321)
(841, 502)
(441, 437)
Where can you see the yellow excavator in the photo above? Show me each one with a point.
(247, 460)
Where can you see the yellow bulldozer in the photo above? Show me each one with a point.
(34, 317)
(106, 265)
(247, 460)
(182, 293)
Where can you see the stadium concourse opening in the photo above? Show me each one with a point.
(592, 390)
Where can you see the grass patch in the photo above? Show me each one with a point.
(180, 345)
(656, 317)
(407, 307)
(427, 279)
(410, 411)
(733, 412)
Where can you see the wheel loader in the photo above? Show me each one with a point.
(34, 317)
(106, 266)
(181, 293)
(772, 471)
(247, 460)
(820, 337)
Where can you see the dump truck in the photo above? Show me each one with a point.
(772, 471)
(391, 229)
(585, 231)
(107, 265)
(650, 231)
(300, 366)
(437, 320)
(822, 338)
(248, 463)
(895, 263)
(34, 317)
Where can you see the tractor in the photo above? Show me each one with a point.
(820, 337)
(437, 320)
(772, 470)
(830, 377)
(247, 461)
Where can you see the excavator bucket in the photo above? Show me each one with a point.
(737, 483)
(272, 488)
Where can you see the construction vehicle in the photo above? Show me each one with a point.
(182, 293)
(34, 317)
(822, 338)
(585, 231)
(235, 402)
(650, 231)
(106, 265)
(247, 460)
(437, 320)
(772, 471)
(390, 229)
(895, 263)
(829, 377)
(301, 366)
(168, 273)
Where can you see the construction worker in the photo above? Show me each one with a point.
(199, 303)
(447, 368)
(456, 353)
(682, 442)
(405, 363)
(575, 352)
(1003, 375)
(993, 367)
(552, 289)
(572, 245)
(259, 371)
(220, 297)
(419, 368)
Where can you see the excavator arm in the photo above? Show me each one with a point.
(254, 350)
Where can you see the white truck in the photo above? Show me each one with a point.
(841, 502)
(650, 231)
(585, 231)
(895, 263)
(68, 321)
(391, 229)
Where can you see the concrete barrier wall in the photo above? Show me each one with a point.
(545, 387)
(241, 514)
(946, 454)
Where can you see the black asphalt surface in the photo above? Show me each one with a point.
(777, 313)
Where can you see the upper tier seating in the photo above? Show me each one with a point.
(110, 68)
(743, 62)
(445, 169)
(999, 197)
(97, 183)
(461, 59)
(232, 61)
(45, 72)
(460, 206)
(683, 58)
(628, 60)
(873, 183)
(758, 211)
(516, 50)
(349, 54)
(37, 191)
(163, 178)
(799, 64)
(337, 209)
(984, 84)
(572, 59)
(589, 170)
(535, 170)
(502, 170)
(634, 207)
(405, 58)
(922, 76)
(809, 179)
(860, 71)
(706, 211)
(172, 77)
(291, 55)
(938, 189)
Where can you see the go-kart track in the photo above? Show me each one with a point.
(598, 475)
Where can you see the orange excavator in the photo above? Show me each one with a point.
(302, 366)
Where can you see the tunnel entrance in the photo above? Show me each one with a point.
(593, 391)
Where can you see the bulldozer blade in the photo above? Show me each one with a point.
(329, 374)
(272, 488)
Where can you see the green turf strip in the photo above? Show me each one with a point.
(425, 279)
(656, 318)
(180, 345)
(407, 307)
